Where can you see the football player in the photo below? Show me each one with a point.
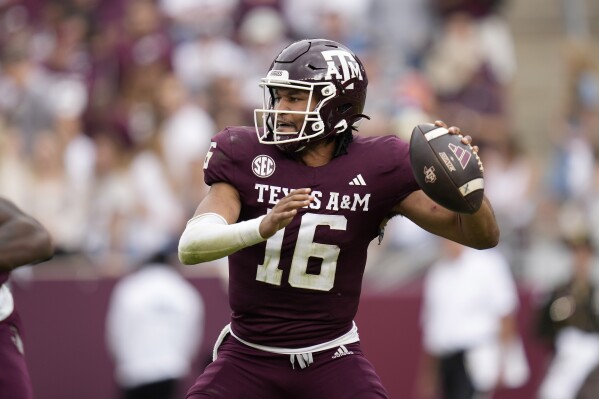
(22, 241)
(294, 204)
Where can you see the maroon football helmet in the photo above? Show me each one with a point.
(327, 70)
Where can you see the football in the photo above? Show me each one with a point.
(446, 169)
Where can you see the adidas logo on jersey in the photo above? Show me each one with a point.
(341, 351)
(358, 181)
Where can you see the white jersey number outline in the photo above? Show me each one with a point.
(209, 154)
(305, 248)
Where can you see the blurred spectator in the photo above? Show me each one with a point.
(414, 102)
(471, 64)
(69, 53)
(145, 46)
(144, 53)
(226, 106)
(111, 202)
(402, 32)
(262, 32)
(53, 196)
(471, 342)
(24, 101)
(210, 55)
(185, 130)
(158, 216)
(154, 327)
(569, 320)
(246, 6)
(573, 159)
(468, 91)
(78, 154)
(381, 91)
(339, 20)
(103, 83)
(189, 18)
(14, 168)
(512, 183)
(140, 212)
(572, 165)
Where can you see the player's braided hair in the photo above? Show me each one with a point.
(342, 141)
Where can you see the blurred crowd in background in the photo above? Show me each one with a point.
(107, 109)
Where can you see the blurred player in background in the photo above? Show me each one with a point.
(154, 328)
(470, 336)
(294, 204)
(23, 241)
(569, 321)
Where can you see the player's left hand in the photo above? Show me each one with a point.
(284, 211)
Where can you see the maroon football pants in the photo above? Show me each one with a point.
(244, 372)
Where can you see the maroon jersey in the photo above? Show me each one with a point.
(302, 286)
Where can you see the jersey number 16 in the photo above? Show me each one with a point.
(305, 248)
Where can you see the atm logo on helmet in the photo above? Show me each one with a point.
(349, 66)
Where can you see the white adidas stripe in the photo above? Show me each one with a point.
(433, 134)
(358, 181)
(342, 351)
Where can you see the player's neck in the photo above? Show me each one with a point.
(318, 154)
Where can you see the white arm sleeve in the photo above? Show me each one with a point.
(208, 237)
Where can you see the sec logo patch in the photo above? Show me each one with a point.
(263, 166)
